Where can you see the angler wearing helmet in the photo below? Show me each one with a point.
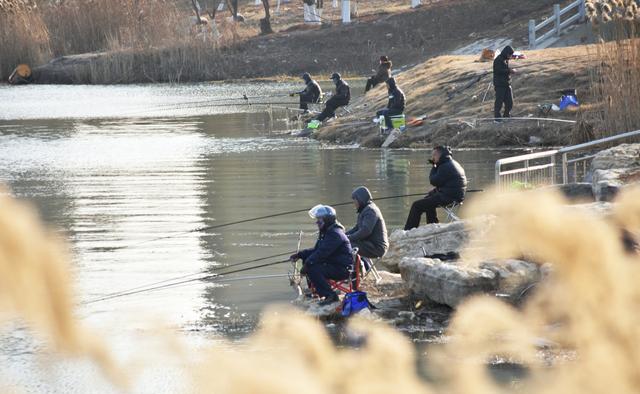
(450, 181)
(396, 103)
(339, 99)
(311, 93)
(383, 74)
(370, 233)
(330, 258)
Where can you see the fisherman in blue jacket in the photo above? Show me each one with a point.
(450, 184)
(330, 258)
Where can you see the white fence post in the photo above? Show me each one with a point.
(556, 16)
(583, 11)
(346, 11)
(415, 3)
(532, 34)
(335, 3)
(258, 2)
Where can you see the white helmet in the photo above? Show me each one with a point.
(322, 211)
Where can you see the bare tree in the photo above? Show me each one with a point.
(265, 23)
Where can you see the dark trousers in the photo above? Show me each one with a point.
(330, 108)
(306, 99)
(504, 95)
(388, 113)
(371, 83)
(426, 205)
(319, 273)
(368, 249)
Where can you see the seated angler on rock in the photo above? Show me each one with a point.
(330, 258)
(370, 233)
(396, 103)
(383, 74)
(341, 98)
(311, 93)
(450, 182)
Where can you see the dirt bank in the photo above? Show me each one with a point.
(409, 36)
(450, 91)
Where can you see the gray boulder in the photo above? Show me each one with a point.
(613, 168)
(434, 238)
(450, 283)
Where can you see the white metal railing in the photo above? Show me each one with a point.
(537, 169)
(578, 13)
(533, 169)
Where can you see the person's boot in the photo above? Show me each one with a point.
(328, 300)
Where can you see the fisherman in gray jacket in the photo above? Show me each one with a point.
(370, 233)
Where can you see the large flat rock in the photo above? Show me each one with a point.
(450, 283)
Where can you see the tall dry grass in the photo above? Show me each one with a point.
(135, 40)
(588, 306)
(616, 78)
(23, 36)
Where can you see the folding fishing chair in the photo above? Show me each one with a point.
(349, 285)
(452, 211)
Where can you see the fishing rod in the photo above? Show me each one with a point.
(228, 224)
(202, 272)
(175, 284)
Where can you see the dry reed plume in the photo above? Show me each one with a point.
(616, 79)
(35, 286)
(589, 305)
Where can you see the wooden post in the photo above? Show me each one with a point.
(415, 3)
(556, 16)
(532, 34)
(346, 11)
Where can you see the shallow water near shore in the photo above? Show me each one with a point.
(110, 168)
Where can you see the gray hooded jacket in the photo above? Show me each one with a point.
(370, 226)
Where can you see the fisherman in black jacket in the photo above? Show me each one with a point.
(396, 103)
(502, 83)
(340, 99)
(450, 181)
(311, 93)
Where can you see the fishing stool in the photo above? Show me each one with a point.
(353, 282)
(452, 211)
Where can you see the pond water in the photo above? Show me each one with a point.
(114, 168)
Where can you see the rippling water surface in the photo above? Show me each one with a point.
(113, 168)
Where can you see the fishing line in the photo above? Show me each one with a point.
(170, 285)
(217, 226)
(202, 272)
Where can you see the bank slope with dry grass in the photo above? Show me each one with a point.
(450, 91)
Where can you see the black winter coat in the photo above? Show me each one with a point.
(396, 99)
(501, 70)
(449, 178)
(312, 90)
(343, 92)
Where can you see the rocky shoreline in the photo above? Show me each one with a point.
(418, 294)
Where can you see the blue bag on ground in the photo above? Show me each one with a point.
(354, 302)
(568, 100)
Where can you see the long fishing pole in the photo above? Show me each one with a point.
(201, 272)
(167, 286)
(213, 227)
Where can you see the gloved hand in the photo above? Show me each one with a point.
(292, 94)
(433, 163)
(294, 257)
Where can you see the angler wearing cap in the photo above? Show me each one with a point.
(369, 235)
(502, 83)
(311, 93)
(330, 258)
(339, 99)
(450, 182)
(383, 74)
(396, 103)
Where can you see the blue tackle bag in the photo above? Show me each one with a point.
(354, 302)
(568, 100)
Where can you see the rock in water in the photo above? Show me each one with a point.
(450, 283)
